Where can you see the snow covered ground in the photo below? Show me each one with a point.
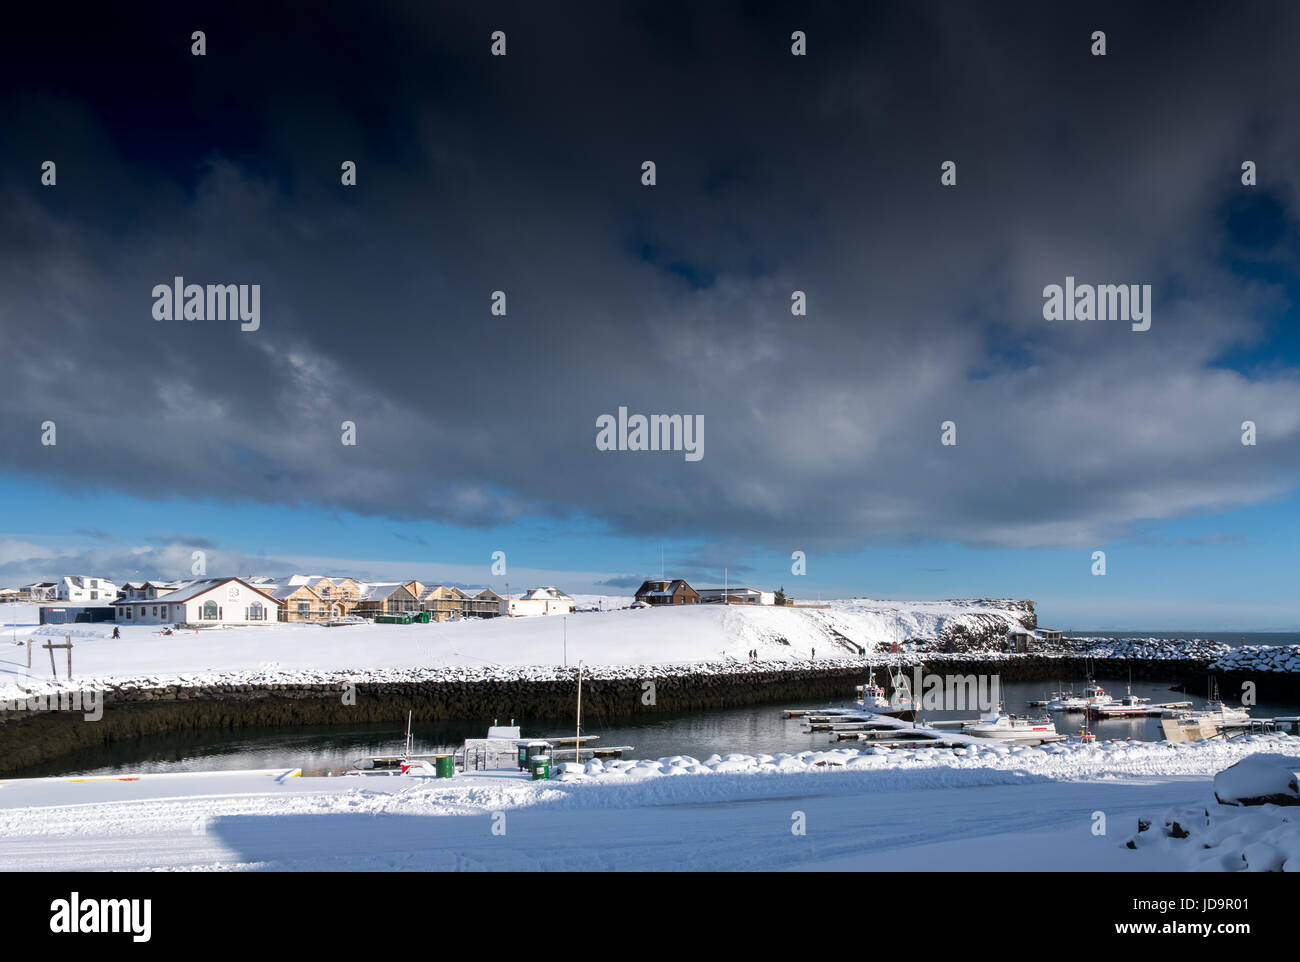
(998, 808)
(642, 637)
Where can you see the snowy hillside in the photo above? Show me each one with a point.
(679, 635)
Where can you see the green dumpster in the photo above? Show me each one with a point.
(540, 766)
(445, 765)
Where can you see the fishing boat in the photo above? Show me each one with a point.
(1066, 701)
(900, 705)
(1214, 720)
(1193, 726)
(1133, 706)
(1056, 698)
(1092, 695)
(1000, 725)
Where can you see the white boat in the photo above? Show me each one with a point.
(1007, 727)
(1094, 694)
(872, 698)
(1129, 706)
(1214, 720)
(407, 763)
(1193, 726)
(1067, 702)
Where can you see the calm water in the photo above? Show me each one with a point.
(750, 730)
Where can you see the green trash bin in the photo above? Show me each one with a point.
(445, 765)
(540, 766)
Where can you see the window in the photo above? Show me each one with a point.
(164, 612)
(155, 611)
(127, 613)
(255, 612)
(210, 611)
(94, 595)
(304, 609)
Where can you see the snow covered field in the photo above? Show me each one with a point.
(998, 808)
(303, 652)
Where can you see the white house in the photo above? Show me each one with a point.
(736, 595)
(41, 590)
(541, 601)
(215, 601)
(84, 588)
(146, 590)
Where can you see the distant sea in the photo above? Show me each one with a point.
(1234, 638)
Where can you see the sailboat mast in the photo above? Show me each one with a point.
(577, 742)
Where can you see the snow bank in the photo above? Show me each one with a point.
(1060, 760)
(1223, 839)
(1259, 779)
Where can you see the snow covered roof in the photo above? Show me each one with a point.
(190, 589)
(281, 592)
(377, 591)
(546, 593)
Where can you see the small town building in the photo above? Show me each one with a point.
(675, 592)
(83, 588)
(386, 598)
(147, 590)
(547, 600)
(207, 601)
(442, 602)
(300, 603)
(734, 595)
(482, 603)
(70, 613)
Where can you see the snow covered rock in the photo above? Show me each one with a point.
(1259, 780)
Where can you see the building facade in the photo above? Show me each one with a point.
(541, 601)
(208, 601)
(675, 592)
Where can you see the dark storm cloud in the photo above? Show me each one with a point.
(775, 173)
(623, 581)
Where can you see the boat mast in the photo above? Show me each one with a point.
(577, 742)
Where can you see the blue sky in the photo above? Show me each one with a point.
(1230, 571)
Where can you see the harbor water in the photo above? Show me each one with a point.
(751, 730)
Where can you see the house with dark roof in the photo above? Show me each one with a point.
(675, 592)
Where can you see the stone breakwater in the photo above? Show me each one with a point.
(149, 706)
